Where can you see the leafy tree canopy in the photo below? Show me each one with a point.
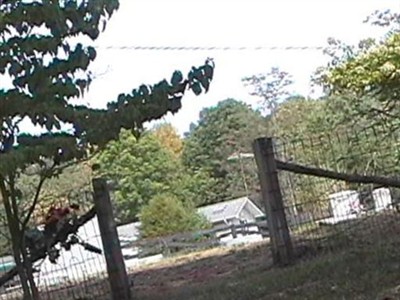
(224, 130)
(146, 167)
(45, 67)
(365, 78)
(169, 138)
(271, 87)
(166, 214)
(299, 117)
(47, 70)
(142, 168)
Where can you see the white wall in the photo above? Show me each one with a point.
(344, 204)
(382, 199)
(77, 263)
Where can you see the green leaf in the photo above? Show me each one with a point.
(222, 130)
(177, 78)
(92, 53)
(205, 83)
(196, 88)
(209, 71)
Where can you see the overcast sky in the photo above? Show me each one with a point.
(224, 23)
(241, 23)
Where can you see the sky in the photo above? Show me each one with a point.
(221, 23)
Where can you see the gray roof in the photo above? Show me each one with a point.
(227, 210)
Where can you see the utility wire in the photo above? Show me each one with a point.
(199, 48)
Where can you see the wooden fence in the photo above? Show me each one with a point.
(190, 241)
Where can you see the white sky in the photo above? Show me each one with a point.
(222, 23)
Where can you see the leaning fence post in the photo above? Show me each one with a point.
(282, 249)
(117, 275)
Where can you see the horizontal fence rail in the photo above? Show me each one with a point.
(338, 191)
(197, 239)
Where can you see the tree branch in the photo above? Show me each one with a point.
(14, 204)
(33, 205)
(61, 236)
(45, 175)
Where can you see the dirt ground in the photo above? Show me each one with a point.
(199, 268)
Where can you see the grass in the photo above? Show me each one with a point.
(357, 260)
(356, 274)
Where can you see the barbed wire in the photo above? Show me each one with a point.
(213, 48)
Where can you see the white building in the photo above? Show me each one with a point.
(346, 205)
(237, 211)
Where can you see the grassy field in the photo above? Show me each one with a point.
(360, 260)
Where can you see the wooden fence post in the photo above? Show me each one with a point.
(117, 275)
(233, 231)
(282, 249)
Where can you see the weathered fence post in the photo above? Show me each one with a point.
(117, 275)
(282, 249)
(233, 231)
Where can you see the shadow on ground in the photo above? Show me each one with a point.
(353, 260)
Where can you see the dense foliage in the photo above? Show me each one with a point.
(141, 168)
(166, 214)
(223, 131)
(169, 138)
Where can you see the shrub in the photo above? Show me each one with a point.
(165, 214)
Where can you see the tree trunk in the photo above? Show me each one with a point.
(21, 228)
(15, 239)
(22, 275)
(21, 232)
(16, 246)
(29, 272)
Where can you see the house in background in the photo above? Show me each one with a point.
(234, 212)
(231, 212)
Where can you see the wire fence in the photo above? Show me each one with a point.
(81, 274)
(76, 274)
(340, 189)
(213, 48)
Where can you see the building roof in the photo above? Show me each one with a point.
(228, 210)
